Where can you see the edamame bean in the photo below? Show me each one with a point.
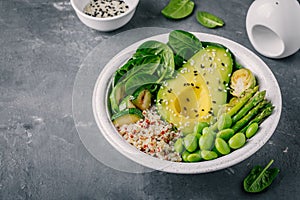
(184, 156)
(224, 121)
(222, 146)
(208, 155)
(225, 134)
(251, 130)
(198, 135)
(178, 146)
(194, 157)
(237, 141)
(206, 141)
(200, 126)
(190, 142)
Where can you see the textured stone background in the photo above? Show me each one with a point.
(41, 156)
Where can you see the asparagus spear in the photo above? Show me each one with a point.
(239, 124)
(242, 101)
(237, 106)
(260, 117)
(257, 98)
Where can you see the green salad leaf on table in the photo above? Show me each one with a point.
(260, 178)
(178, 9)
(209, 20)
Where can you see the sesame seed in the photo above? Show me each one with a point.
(105, 8)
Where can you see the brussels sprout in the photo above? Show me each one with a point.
(242, 80)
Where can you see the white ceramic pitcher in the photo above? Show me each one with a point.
(273, 27)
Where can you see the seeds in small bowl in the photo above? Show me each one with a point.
(105, 8)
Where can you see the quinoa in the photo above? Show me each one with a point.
(152, 136)
(105, 8)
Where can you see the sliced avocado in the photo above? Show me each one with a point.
(222, 57)
(197, 91)
(142, 98)
(127, 116)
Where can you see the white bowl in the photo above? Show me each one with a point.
(104, 24)
(266, 80)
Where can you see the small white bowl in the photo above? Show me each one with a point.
(104, 24)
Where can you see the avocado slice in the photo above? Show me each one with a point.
(198, 89)
(127, 116)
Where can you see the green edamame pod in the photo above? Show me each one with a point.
(237, 141)
(224, 121)
(178, 146)
(222, 146)
(206, 141)
(190, 142)
(200, 126)
(194, 157)
(208, 155)
(225, 134)
(184, 156)
(251, 130)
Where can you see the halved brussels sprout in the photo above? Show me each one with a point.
(242, 80)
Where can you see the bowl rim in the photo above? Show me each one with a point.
(80, 12)
(185, 168)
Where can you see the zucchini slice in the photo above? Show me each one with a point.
(127, 116)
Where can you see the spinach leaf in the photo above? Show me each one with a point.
(152, 62)
(184, 44)
(260, 178)
(209, 20)
(139, 80)
(165, 53)
(124, 69)
(178, 9)
(180, 39)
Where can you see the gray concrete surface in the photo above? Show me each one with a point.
(41, 156)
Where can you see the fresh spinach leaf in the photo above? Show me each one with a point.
(184, 44)
(178, 9)
(152, 59)
(139, 80)
(260, 178)
(124, 69)
(180, 40)
(209, 20)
